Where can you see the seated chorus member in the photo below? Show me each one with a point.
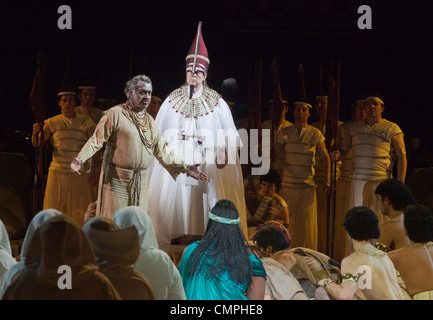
(272, 247)
(222, 266)
(414, 262)
(372, 267)
(393, 196)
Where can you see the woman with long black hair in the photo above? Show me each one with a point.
(222, 266)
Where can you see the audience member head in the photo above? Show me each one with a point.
(59, 246)
(418, 221)
(361, 224)
(137, 217)
(59, 241)
(34, 224)
(111, 244)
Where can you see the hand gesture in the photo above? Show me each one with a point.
(194, 172)
(327, 189)
(76, 165)
(335, 155)
(221, 159)
(37, 127)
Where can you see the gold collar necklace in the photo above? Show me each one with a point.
(143, 125)
(422, 245)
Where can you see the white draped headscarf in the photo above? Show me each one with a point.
(6, 258)
(152, 262)
(37, 220)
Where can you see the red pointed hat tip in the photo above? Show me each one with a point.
(197, 57)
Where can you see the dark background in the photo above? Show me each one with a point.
(113, 40)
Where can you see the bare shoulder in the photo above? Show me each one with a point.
(398, 255)
(287, 259)
(351, 263)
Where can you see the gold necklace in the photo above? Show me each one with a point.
(399, 218)
(371, 253)
(422, 245)
(143, 125)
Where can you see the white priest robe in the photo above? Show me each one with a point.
(194, 129)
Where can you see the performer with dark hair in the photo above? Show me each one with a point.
(87, 97)
(266, 204)
(198, 126)
(132, 140)
(374, 142)
(414, 262)
(222, 266)
(68, 132)
(379, 280)
(299, 143)
(393, 196)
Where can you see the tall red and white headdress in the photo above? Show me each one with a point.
(197, 58)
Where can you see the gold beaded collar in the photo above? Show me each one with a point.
(143, 125)
(373, 253)
(399, 218)
(422, 245)
(195, 107)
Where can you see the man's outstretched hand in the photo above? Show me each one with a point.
(193, 171)
(76, 165)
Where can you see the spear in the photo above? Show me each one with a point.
(255, 105)
(255, 98)
(277, 107)
(38, 106)
(331, 136)
(302, 91)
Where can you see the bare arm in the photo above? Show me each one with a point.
(284, 216)
(279, 147)
(98, 136)
(326, 162)
(347, 289)
(36, 135)
(400, 150)
(386, 235)
(256, 289)
(344, 147)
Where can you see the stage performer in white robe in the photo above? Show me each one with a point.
(198, 126)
